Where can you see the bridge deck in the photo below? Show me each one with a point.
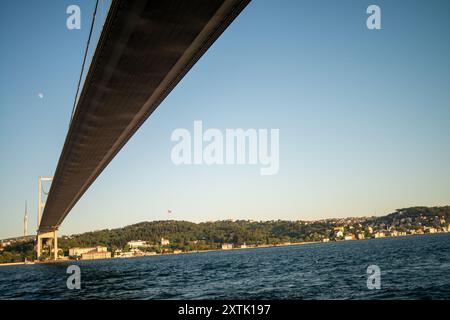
(145, 49)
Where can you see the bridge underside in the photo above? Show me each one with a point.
(145, 49)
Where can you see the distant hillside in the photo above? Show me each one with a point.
(187, 236)
(413, 218)
(212, 234)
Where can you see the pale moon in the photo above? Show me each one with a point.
(40, 95)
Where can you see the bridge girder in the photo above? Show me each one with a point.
(145, 48)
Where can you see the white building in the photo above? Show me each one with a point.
(380, 234)
(227, 246)
(137, 244)
(124, 254)
(78, 252)
(165, 242)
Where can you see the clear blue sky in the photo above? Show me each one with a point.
(363, 115)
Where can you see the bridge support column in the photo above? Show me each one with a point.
(55, 245)
(39, 247)
(47, 235)
(44, 235)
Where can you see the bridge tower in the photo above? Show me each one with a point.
(44, 235)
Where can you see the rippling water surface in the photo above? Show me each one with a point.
(411, 268)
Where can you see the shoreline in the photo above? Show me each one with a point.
(15, 263)
(209, 250)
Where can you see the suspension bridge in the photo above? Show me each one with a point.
(145, 48)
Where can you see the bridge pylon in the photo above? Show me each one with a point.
(41, 235)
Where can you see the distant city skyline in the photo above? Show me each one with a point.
(363, 116)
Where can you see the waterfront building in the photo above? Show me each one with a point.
(380, 234)
(128, 254)
(165, 242)
(78, 252)
(96, 255)
(227, 246)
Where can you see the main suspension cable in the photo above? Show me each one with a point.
(84, 59)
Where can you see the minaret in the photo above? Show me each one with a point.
(25, 222)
